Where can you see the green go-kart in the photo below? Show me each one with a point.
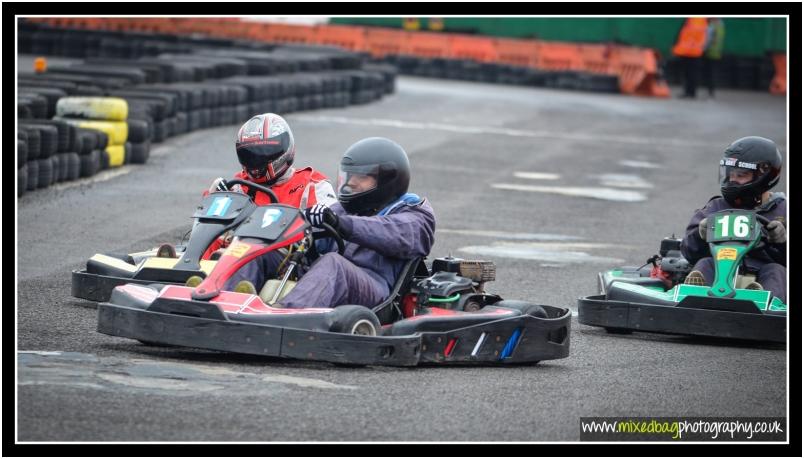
(630, 299)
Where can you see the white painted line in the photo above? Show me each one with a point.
(40, 352)
(623, 181)
(538, 254)
(537, 175)
(509, 235)
(478, 344)
(572, 136)
(639, 164)
(97, 178)
(306, 382)
(608, 194)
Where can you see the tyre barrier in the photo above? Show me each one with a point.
(77, 120)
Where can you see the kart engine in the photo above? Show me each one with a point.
(456, 283)
(673, 262)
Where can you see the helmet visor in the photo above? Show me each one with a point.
(354, 180)
(738, 173)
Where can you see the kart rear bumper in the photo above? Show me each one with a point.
(595, 310)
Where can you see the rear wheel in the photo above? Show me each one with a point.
(524, 307)
(355, 320)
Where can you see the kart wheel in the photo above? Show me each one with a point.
(355, 320)
(524, 307)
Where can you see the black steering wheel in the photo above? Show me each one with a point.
(268, 191)
(330, 231)
(274, 200)
(763, 229)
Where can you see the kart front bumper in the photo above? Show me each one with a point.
(518, 339)
(595, 310)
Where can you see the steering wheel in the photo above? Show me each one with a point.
(763, 229)
(334, 234)
(268, 191)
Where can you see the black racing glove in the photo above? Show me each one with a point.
(320, 214)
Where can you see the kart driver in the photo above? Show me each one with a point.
(266, 150)
(750, 167)
(383, 226)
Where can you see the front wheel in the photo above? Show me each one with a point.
(355, 320)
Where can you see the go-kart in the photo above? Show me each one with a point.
(655, 299)
(437, 315)
(167, 263)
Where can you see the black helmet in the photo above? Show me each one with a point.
(758, 161)
(265, 147)
(381, 159)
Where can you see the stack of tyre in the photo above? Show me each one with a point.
(46, 154)
(128, 141)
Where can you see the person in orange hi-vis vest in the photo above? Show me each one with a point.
(689, 48)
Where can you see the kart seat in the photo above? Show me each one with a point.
(388, 311)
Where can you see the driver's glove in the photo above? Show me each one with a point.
(702, 229)
(320, 214)
(777, 233)
(219, 184)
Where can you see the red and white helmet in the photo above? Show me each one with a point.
(265, 148)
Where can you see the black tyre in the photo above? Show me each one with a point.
(56, 162)
(22, 180)
(355, 320)
(90, 164)
(104, 160)
(524, 307)
(49, 136)
(138, 130)
(64, 166)
(33, 175)
(45, 172)
(73, 166)
(22, 153)
(34, 142)
(140, 152)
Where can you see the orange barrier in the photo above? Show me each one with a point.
(480, 49)
(559, 56)
(596, 58)
(429, 44)
(779, 83)
(347, 37)
(636, 68)
(638, 72)
(524, 53)
(286, 33)
(381, 42)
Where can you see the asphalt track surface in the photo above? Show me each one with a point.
(503, 166)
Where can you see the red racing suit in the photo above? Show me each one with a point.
(300, 188)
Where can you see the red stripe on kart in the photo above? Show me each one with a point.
(233, 302)
(450, 346)
(440, 312)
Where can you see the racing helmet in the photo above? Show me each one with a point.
(265, 148)
(377, 158)
(750, 166)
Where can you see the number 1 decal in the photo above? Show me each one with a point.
(219, 207)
